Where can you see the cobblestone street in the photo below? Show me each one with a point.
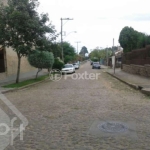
(61, 114)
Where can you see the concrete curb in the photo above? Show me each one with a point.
(146, 91)
(135, 86)
(16, 89)
(130, 84)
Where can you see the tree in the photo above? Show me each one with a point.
(128, 39)
(143, 40)
(22, 28)
(58, 64)
(83, 51)
(100, 54)
(55, 48)
(41, 60)
(69, 52)
(131, 39)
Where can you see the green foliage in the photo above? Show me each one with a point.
(58, 64)
(100, 54)
(143, 40)
(94, 59)
(22, 28)
(69, 52)
(55, 48)
(131, 39)
(128, 39)
(26, 82)
(83, 51)
(41, 59)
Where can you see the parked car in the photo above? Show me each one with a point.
(68, 68)
(76, 65)
(96, 65)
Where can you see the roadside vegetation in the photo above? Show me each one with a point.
(131, 39)
(32, 35)
(100, 54)
(23, 29)
(26, 82)
(41, 60)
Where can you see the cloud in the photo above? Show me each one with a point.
(97, 22)
(137, 17)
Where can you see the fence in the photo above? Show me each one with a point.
(137, 57)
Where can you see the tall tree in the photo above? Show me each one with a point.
(55, 48)
(22, 28)
(128, 39)
(131, 39)
(69, 52)
(83, 51)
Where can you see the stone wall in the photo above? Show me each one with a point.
(137, 69)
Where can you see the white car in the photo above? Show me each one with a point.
(68, 68)
(76, 65)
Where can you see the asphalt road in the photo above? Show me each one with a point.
(79, 112)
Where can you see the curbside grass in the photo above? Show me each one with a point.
(26, 82)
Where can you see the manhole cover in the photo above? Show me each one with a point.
(114, 127)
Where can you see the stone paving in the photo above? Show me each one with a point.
(61, 114)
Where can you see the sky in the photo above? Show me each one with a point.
(96, 22)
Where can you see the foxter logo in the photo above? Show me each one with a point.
(7, 130)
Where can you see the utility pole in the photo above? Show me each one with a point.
(62, 53)
(77, 45)
(114, 57)
(107, 55)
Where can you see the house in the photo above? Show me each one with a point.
(118, 55)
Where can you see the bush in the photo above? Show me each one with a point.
(58, 64)
(41, 59)
(95, 59)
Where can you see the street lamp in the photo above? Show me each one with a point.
(69, 33)
(62, 35)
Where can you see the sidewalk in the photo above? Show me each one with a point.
(138, 82)
(23, 76)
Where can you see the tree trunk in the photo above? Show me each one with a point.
(39, 69)
(18, 68)
(49, 71)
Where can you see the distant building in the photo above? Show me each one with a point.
(118, 53)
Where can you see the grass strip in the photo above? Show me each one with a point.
(26, 82)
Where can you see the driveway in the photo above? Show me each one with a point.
(73, 114)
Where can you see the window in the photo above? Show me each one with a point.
(2, 61)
